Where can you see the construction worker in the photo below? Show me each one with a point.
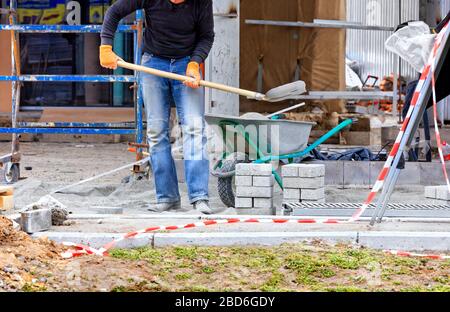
(178, 37)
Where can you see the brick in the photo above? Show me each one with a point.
(430, 192)
(243, 180)
(291, 194)
(253, 169)
(6, 190)
(243, 202)
(263, 202)
(252, 191)
(263, 181)
(318, 194)
(256, 211)
(304, 183)
(289, 171)
(7, 202)
(311, 171)
(36, 220)
(442, 193)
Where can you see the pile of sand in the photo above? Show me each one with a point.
(24, 260)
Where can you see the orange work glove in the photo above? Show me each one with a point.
(193, 70)
(108, 58)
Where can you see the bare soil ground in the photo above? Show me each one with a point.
(36, 265)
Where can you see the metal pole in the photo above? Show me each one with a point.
(397, 13)
(137, 58)
(15, 71)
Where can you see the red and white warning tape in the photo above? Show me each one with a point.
(417, 255)
(435, 115)
(79, 250)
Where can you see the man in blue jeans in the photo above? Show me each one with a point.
(178, 37)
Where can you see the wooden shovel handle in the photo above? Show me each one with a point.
(208, 84)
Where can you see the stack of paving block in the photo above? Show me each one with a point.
(254, 189)
(6, 198)
(303, 183)
(437, 192)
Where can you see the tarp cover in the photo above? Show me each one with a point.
(319, 52)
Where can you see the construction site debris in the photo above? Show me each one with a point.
(59, 211)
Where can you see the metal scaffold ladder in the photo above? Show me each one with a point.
(11, 162)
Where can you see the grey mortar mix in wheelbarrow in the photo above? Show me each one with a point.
(266, 140)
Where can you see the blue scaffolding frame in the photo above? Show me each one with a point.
(11, 161)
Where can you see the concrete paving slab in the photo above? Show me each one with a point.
(334, 173)
(36, 220)
(431, 173)
(249, 239)
(356, 173)
(418, 241)
(97, 240)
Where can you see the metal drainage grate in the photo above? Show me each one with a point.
(358, 205)
(347, 209)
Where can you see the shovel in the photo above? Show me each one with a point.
(289, 91)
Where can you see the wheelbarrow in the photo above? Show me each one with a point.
(292, 144)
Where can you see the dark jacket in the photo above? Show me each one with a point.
(172, 30)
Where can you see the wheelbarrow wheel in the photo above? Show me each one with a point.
(225, 185)
(11, 173)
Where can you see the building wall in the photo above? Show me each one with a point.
(367, 47)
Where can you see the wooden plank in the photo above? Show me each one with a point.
(6, 202)
(6, 190)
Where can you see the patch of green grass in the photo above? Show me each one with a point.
(28, 287)
(260, 258)
(350, 259)
(442, 280)
(208, 270)
(308, 268)
(273, 283)
(183, 276)
(153, 256)
(441, 288)
(185, 252)
(344, 289)
(414, 289)
(120, 289)
(198, 289)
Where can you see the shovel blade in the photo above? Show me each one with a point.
(290, 91)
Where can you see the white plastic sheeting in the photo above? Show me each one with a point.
(413, 44)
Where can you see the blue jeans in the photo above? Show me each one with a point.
(157, 93)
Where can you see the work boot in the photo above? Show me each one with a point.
(163, 207)
(203, 207)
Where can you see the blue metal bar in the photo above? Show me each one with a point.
(80, 131)
(63, 28)
(138, 58)
(124, 125)
(69, 78)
